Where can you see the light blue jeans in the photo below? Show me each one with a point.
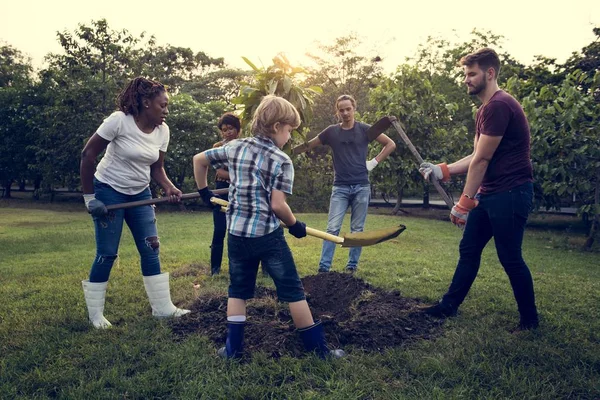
(142, 224)
(343, 196)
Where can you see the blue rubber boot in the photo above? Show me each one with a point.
(313, 338)
(235, 340)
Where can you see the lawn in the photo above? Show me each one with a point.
(48, 349)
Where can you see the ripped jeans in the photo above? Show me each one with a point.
(142, 224)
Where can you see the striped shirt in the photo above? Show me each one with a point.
(256, 167)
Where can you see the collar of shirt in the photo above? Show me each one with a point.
(265, 140)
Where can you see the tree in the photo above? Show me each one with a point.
(80, 86)
(565, 131)
(279, 79)
(428, 118)
(193, 129)
(16, 98)
(587, 61)
(338, 70)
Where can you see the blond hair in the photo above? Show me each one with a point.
(273, 109)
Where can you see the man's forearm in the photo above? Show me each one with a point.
(477, 170)
(461, 166)
(385, 152)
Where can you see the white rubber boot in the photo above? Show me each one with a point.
(159, 294)
(95, 293)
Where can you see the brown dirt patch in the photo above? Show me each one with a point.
(356, 316)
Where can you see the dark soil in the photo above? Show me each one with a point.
(356, 316)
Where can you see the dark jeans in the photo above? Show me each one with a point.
(274, 253)
(218, 239)
(503, 216)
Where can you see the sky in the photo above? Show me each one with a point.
(260, 29)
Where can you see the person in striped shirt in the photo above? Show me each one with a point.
(261, 176)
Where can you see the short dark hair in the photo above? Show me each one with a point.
(229, 119)
(130, 99)
(485, 58)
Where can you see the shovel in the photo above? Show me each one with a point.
(415, 153)
(356, 239)
(372, 133)
(186, 196)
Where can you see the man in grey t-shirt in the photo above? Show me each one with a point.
(351, 188)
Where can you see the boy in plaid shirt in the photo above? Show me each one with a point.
(261, 176)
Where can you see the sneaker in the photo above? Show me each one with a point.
(351, 270)
(439, 311)
(322, 270)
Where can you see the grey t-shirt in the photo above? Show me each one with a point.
(349, 148)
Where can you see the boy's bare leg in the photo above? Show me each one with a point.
(237, 307)
(301, 314)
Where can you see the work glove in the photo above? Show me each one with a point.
(440, 171)
(372, 163)
(206, 194)
(94, 206)
(460, 211)
(298, 229)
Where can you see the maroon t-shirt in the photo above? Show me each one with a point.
(510, 165)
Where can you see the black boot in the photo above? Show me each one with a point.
(313, 338)
(235, 340)
(439, 310)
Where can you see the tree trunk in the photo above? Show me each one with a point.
(22, 185)
(399, 191)
(425, 194)
(7, 185)
(37, 185)
(596, 213)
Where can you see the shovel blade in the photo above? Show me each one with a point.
(360, 239)
(378, 128)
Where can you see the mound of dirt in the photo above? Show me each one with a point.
(354, 314)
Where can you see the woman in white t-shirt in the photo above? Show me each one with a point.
(135, 139)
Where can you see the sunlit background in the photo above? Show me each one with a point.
(261, 29)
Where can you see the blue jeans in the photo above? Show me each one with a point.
(503, 216)
(142, 224)
(274, 253)
(343, 196)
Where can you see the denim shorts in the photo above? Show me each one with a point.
(273, 252)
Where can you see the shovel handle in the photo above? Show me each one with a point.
(309, 231)
(324, 235)
(157, 200)
(414, 151)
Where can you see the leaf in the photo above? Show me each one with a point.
(251, 64)
(287, 84)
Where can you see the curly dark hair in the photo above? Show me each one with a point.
(130, 99)
(229, 119)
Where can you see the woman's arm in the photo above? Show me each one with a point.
(94, 146)
(158, 173)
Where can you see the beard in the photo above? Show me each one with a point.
(475, 90)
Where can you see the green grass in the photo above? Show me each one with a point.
(48, 349)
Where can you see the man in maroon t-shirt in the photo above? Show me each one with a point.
(498, 193)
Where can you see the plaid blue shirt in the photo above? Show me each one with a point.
(256, 167)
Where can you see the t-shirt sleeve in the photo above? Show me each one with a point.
(284, 178)
(495, 119)
(325, 135)
(217, 156)
(365, 128)
(166, 137)
(111, 126)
